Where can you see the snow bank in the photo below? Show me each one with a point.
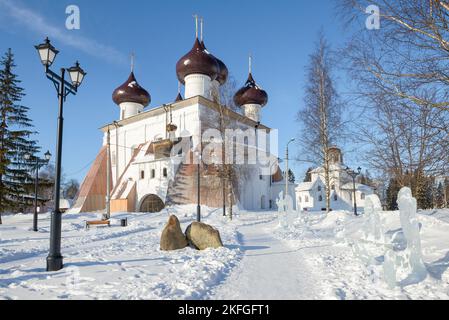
(328, 245)
(113, 263)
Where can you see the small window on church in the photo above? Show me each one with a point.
(362, 196)
(165, 173)
(320, 198)
(307, 199)
(335, 197)
(153, 173)
(299, 199)
(333, 187)
(319, 189)
(142, 174)
(261, 177)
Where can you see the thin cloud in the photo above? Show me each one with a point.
(37, 23)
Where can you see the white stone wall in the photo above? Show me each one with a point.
(255, 191)
(147, 130)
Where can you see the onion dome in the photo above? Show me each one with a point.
(197, 61)
(223, 69)
(251, 93)
(131, 91)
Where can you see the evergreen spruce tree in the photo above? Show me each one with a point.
(424, 193)
(392, 194)
(439, 196)
(15, 138)
(291, 176)
(446, 192)
(308, 177)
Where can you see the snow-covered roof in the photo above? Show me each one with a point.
(304, 186)
(358, 186)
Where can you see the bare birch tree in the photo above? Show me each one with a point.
(413, 40)
(401, 79)
(320, 117)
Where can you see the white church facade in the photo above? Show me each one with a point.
(150, 156)
(311, 196)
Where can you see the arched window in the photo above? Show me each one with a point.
(165, 173)
(320, 198)
(362, 196)
(142, 174)
(319, 188)
(153, 173)
(299, 199)
(335, 197)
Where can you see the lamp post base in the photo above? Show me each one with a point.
(54, 263)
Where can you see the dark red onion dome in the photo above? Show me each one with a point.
(224, 72)
(251, 93)
(197, 61)
(131, 91)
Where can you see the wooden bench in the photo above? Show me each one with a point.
(98, 223)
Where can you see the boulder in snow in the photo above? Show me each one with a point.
(203, 236)
(172, 237)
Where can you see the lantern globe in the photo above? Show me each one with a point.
(47, 53)
(77, 74)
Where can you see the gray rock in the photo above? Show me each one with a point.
(172, 237)
(203, 236)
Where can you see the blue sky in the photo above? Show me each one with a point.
(279, 34)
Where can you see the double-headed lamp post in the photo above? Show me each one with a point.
(286, 168)
(47, 157)
(354, 175)
(47, 54)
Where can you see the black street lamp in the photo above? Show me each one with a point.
(47, 54)
(47, 157)
(354, 175)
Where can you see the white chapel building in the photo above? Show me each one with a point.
(311, 196)
(146, 175)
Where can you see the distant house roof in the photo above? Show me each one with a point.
(304, 186)
(358, 186)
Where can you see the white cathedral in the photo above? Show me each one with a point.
(136, 158)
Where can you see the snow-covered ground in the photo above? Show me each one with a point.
(311, 259)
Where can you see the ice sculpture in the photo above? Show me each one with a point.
(389, 268)
(286, 210)
(410, 227)
(373, 225)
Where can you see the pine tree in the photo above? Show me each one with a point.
(308, 177)
(439, 196)
(291, 176)
(446, 192)
(15, 138)
(392, 194)
(424, 193)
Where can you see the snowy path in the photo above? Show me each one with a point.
(269, 269)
